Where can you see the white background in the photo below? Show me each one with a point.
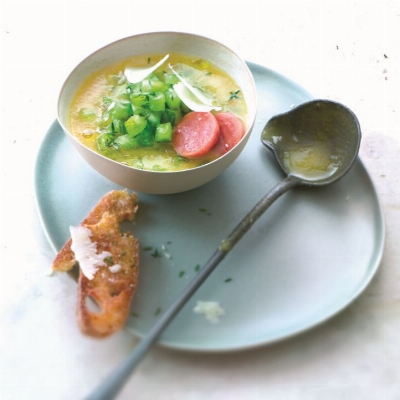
(347, 51)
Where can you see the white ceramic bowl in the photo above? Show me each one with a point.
(157, 182)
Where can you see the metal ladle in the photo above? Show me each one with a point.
(315, 144)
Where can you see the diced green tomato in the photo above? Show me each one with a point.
(126, 142)
(139, 110)
(172, 99)
(105, 140)
(171, 79)
(163, 132)
(159, 75)
(154, 118)
(87, 113)
(146, 138)
(173, 116)
(122, 110)
(146, 85)
(158, 86)
(118, 126)
(138, 100)
(157, 102)
(134, 88)
(135, 125)
(105, 119)
(185, 109)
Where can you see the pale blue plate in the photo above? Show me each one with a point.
(307, 258)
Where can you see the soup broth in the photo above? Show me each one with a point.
(89, 109)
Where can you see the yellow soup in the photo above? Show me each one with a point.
(102, 104)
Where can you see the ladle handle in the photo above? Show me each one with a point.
(111, 386)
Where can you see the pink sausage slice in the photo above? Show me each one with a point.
(231, 131)
(196, 134)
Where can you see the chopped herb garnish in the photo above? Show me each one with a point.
(158, 311)
(123, 254)
(208, 73)
(109, 261)
(148, 60)
(234, 95)
(181, 273)
(155, 253)
(197, 267)
(148, 248)
(205, 211)
(135, 314)
(228, 280)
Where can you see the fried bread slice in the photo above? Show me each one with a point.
(118, 202)
(113, 285)
(113, 282)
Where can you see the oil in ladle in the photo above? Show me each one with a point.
(313, 141)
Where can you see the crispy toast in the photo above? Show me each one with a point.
(114, 284)
(118, 202)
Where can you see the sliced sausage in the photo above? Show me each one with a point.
(196, 134)
(231, 130)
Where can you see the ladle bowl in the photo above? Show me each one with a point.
(315, 144)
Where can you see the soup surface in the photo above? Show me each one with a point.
(108, 111)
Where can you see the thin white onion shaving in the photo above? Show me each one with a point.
(193, 97)
(190, 100)
(136, 75)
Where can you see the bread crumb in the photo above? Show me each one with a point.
(210, 309)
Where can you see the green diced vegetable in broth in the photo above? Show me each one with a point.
(171, 79)
(87, 113)
(126, 142)
(138, 99)
(105, 120)
(172, 116)
(157, 102)
(134, 88)
(105, 140)
(139, 110)
(135, 125)
(185, 109)
(172, 99)
(118, 126)
(158, 86)
(154, 117)
(146, 86)
(163, 132)
(146, 138)
(122, 110)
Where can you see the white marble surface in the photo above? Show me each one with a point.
(343, 50)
